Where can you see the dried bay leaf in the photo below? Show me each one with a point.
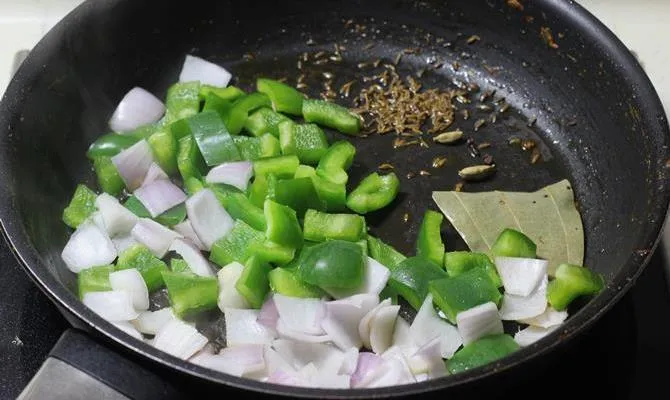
(548, 216)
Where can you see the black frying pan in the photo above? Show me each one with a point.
(588, 103)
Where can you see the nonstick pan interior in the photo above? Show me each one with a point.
(586, 103)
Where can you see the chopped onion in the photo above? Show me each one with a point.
(138, 107)
(197, 69)
(154, 173)
(235, 174)
(532, 334)
(516, 307)
(428, 360)
(374, 281)
(521, 276)
(218, 363)
(427, 326)
(382, 326)
(343, 317)
(113, 306)
(285, 332)
(239, 360)
(209, 219)
(133, 164)
(331, 381)
(97, 219)
(274, 361)
(154, 236)
(364, 325)
(193, 257)
(229, 297)
(242, 327)
(268, 315)
(185, 229)
(367, 363)
(159, 196)
(128, 328)
(89, 246)
(402, 338)
(324, 357)
(150, 322)
(393, 371)
(117, 218)
(349, 362)
(131, 281)
(479, 321)
(302, 315)
(121, 243)
(287, 378)
(550, 317)
(179, 339)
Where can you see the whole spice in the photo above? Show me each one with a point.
(477, 172)
(479, 123)
(448, 137)
(439, 161)
(472, 39)
(548, 38)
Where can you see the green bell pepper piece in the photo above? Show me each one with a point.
(570, 282)
(299, 194)
(263, 121)
(213, 139)
(304, 171)
(179, 265)
(193, 185)
(284, 98)
(270, 146)
(457, 262)
(189, 160)
(511, 243)
(218, 104)
(287, 137)
(148, 265)
(236, 117)
(429, 243)
(462, 292)
(81, 206)
(229, 93)
(183, 101)
(283, 227)
(240, 207)
(170, 218)
(272, 252)
(307, 141)
(281, 167)
(319, 227)
(284, 281)
(334, 195)
(411, 278)
(262, 188)
(331, 115)
(164, 147)
(373, 193)
(253, 284)
(384, 253)
(108, 176)
(111, 144)
(235, 245)
(334, 164)
(94, 279)
(481, 352)
(332, 264)
(249, 147)
(191, 294)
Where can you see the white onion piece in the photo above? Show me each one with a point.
(133, 164)
(131, 281)
(239, 360)
(154, 236)
(367, 363)
(343, 317)
(349, 362)
(217, 363)
(274, 361)
(479, 321)
(516, 307)
(374, 281)
(393, 371)
(209, 219)
(302, 315)
(185, 229)
(403, 339)
(154, 173)
(268, 315)
(382, 326)
(532, 334)
(197, 69)
(550, 317)
(242, 327)
(427, 326)
(128, 328)
(281, 377)
(235, 174)
(97, 219)
(113, 306)
(179, 339)
(89, 246)
(159, 196)
(324, 357)
(124, 242)
(428, 360)
(193, 257)
(331, 381)
(229, 297)
(150, 322)
(364, 325)
(117, 218)
(285, 332)
(138, 107)
(520, 276)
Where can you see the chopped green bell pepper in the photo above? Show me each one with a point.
(373, 193)
(287, 137)
(111, 144)
(281, 167)
(332, 264)
(283, 227)
(272, 252)
(215, 103)
(148, 265)
(511, 243)
(481, 352)
(253, 284)
(108, 176)
(170, 218)
(464, 291)
(94, 279)
(191, 294)
(193, 185)
(164, 147)
(183, 101)
(236, 117)
(81, 206)
(299, 194)
(384, 253)
(240, 207)
(284, 98)
(249, 147)
(263, 187)
(331, 115)
(179, 265)
(213, 139)
(429, 243)
(270, 146)
(334, 195)
(411, 278)
(457, 262)
(307, 141)
(570, 282)
(189, 160)
(304, 171)
(286, 282)
(229, 93)
(319, 226)
(263, 121)
(335, 163)
(235, 245)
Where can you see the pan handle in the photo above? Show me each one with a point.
(79, 367)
